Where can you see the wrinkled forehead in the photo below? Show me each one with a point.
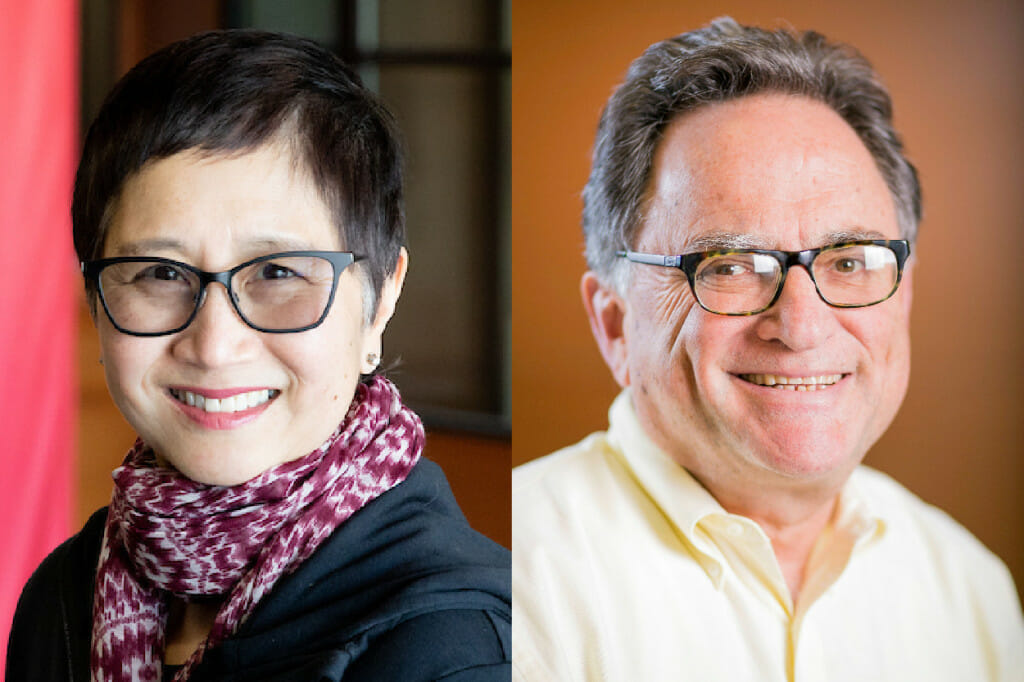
(764, 171)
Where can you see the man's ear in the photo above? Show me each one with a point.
(386, 302)
(606, 311)
(907, 286)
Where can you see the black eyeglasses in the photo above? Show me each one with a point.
(851, 274)
(278, 293)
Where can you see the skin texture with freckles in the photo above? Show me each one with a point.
(771, 171)
(215, 212)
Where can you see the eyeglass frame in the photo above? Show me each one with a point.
(339, 260)
(688, 263)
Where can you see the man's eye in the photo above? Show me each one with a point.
(847, 265)
(726, 269)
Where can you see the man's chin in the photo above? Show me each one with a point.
(806, 459)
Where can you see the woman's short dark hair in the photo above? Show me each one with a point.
(720, 62)
(231, 92)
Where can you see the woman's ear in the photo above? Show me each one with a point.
(386, 302)
(607, 313)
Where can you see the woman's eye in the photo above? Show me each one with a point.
(161, 272)
(275, 271)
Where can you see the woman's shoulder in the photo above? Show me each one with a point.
(68, 567)
(404, 589)
(53, 619)
(416, 526)
(455, 646)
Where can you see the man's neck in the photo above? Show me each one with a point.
(793, 542)
(792, 519)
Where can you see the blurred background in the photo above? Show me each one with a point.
(954, 70)
(441, 66)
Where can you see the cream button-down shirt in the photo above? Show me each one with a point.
(625, 569)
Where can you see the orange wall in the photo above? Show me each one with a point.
(954, 70)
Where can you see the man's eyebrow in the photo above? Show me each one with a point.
(722, 241)
(851, 236)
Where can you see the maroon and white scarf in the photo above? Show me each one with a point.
(168, 535)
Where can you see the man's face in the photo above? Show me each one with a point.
(778, 172)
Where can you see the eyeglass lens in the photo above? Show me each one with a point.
(853, 275)
(150, 297)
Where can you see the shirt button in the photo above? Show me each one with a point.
(714, 570)
(734, 529)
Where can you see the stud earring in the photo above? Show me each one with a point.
(372, 359)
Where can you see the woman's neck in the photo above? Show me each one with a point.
(188, 624)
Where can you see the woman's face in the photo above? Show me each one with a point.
(215, 212)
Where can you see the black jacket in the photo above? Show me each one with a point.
(403, 590)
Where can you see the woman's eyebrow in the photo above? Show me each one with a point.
(278, 243)
(268, 244)
(145, 247)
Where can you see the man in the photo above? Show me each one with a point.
(749, 219)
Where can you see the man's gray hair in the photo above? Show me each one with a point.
(720, 62)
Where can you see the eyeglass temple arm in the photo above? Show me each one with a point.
(651, 258)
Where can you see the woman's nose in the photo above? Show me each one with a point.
(218, 335)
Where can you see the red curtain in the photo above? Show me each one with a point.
(38, 286)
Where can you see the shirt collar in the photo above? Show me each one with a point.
(680, 497)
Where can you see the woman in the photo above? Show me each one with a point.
(238, 215)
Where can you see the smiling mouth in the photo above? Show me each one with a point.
(235, 403)
(813, 383)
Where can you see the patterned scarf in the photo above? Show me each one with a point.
(168, 535)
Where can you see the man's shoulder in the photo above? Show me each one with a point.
(911, 520)
(570, 481)
(572, 465)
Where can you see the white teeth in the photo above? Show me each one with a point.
(235, 403)
(809, 383)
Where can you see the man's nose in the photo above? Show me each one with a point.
(218, 335)
(800, 319)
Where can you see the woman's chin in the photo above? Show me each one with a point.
(221, 468)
